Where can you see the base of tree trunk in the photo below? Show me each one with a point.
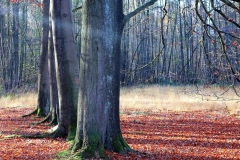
(90, 151)
(35, 111)
(95, 149)
(76, 146)
(119, 145)
(59, 132)
(40, 113)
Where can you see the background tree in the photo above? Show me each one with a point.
(198, 40)
(18, 21)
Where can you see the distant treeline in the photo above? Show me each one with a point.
(173, 42)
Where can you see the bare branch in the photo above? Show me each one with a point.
(218, 32)
(224, 16)
(78, 8)
(136, 11)
(230, 4)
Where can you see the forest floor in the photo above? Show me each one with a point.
(155, 134)
(160, 122)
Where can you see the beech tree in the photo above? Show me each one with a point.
(67, 67)
(43, 75)
(43, 103)
(98, 124)
(58, 38)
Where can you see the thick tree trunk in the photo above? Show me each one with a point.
(112, 40)
(98, 123)
(88, 134)
(67, 67)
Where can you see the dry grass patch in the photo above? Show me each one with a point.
(19, 100)
(155, 97)
(184, 98)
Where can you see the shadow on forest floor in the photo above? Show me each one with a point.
(155, 135)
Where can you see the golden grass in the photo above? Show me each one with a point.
(19, 100)
(155, 97)
(185, 98)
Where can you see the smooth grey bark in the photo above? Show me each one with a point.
(15, 55)
(53, 91)
(98, 124)
(54, 105)
(67, 67)
(43, 105)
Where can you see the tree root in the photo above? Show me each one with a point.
(53, 122)
(37, 135)
(44, 120)
(10, 136)
(32, 113)
(119, 145)
(58, 132)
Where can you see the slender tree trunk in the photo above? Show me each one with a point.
(2, 49)
(23, 44)
(15, 55)
(181, 50)
(43, 75)
(54, 106)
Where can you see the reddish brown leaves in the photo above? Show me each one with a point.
(155, 135)
(184, 135)
(11, 123)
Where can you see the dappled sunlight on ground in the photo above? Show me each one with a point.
(183, 135)
(166, 134)
(158, 122)
(14, 147)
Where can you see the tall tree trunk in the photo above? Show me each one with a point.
(3, 72)
(88, 135)
(15, 55)
(43, 74)
(181, 47)
(54, 106)
(23, 44)
(67, 67)
(98, 123)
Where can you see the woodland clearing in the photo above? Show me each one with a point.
(158, 122)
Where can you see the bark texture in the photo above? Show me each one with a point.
(67, 67)
(98, 125)
(43, 74)
(98, 110)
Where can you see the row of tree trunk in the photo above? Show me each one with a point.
(87, 110)
(192, 53)
(170, 42)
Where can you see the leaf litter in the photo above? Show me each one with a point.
(159, 134)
